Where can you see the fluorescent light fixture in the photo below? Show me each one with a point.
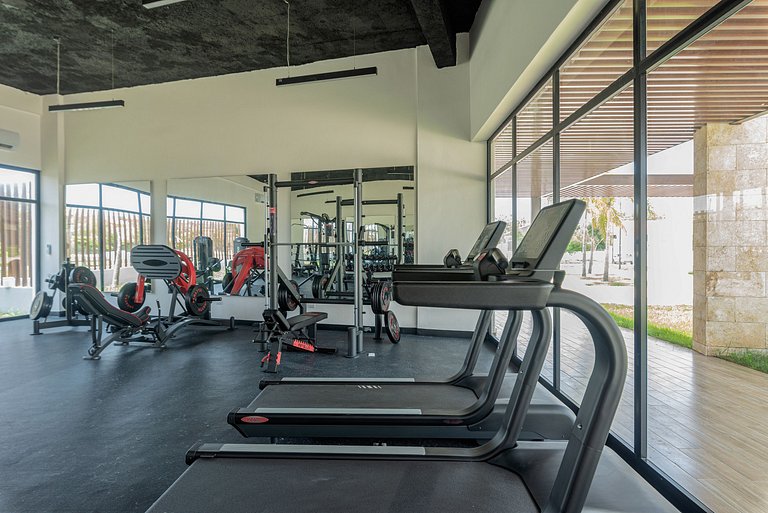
(153, 4)
(333, 75)
(70, 107)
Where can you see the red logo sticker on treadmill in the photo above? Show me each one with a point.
(273, 210)
(254, 419)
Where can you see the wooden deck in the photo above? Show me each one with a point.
(707, 418)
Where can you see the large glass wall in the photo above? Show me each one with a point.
(18, 241)
(672, 118)
(103, 222)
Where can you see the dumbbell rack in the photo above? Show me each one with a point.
(69, 317)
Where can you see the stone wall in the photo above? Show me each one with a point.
(730, 225)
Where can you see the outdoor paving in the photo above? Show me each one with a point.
(706, 416)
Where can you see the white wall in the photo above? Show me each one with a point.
(513, 45)
(20, 112)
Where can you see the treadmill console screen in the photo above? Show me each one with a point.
(541, 232)
(485, 240)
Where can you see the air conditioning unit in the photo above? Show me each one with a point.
(8, 140)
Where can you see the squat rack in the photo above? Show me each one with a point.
(355, 332)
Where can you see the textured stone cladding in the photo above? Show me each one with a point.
(730, 247)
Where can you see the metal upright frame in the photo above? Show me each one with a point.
(636, 451)
(272, 245)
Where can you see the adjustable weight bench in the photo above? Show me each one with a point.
(297, 332)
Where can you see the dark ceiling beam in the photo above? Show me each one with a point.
(437, 29)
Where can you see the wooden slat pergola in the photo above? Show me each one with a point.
(720, 78)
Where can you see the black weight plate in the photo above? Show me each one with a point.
(318, 286)
(196, 301)
(392, 327)
(82, 274)
(126, 298)
(79, 308)
(41, 306)
(374, 293)
(285, 300)
(57, 281)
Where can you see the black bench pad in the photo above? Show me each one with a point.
(304, 320)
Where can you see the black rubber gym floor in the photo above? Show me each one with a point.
(110, 435)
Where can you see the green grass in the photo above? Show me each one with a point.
(661, 332)
(752, 359)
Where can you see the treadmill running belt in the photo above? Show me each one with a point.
(399, 396)
(343, 486)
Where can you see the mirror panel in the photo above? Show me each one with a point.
(208, 219)
(389, 198)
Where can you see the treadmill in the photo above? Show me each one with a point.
(465, 406)
(503, 474)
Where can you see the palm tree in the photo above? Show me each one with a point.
(604, 217)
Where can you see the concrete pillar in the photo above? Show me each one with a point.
(158, 220)
(730, 237)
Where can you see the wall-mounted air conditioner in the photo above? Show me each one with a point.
(8, 140)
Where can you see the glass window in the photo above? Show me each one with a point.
(235, 214)
(121, 231)
(170, 207)
(213, 211)
(17, 253)
(535, 119)
(188, 208)
(502, 148)
(146, 203)
(119, 198)
(707, 211)
(604, 57)
(82, 226)
(503, 198)
(86, 194)
(597, 166)
(534, 191)
(666, 18)
(17, 184)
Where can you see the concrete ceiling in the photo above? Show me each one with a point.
(200, 38)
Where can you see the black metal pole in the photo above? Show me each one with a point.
(641, 234)
(271, 240)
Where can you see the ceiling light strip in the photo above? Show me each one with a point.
(108, 104)
(153, 4)
(332, 75)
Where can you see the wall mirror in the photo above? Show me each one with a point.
(209, 219)
(323, 215)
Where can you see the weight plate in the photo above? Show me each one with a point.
(285, 300)
(196, 300)
(126, 298)
(80, 309)
(41, 306)
(318, 286)
(392, 327)
(57, 281)
(374, 293)
(385, 295)
(82, 274)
